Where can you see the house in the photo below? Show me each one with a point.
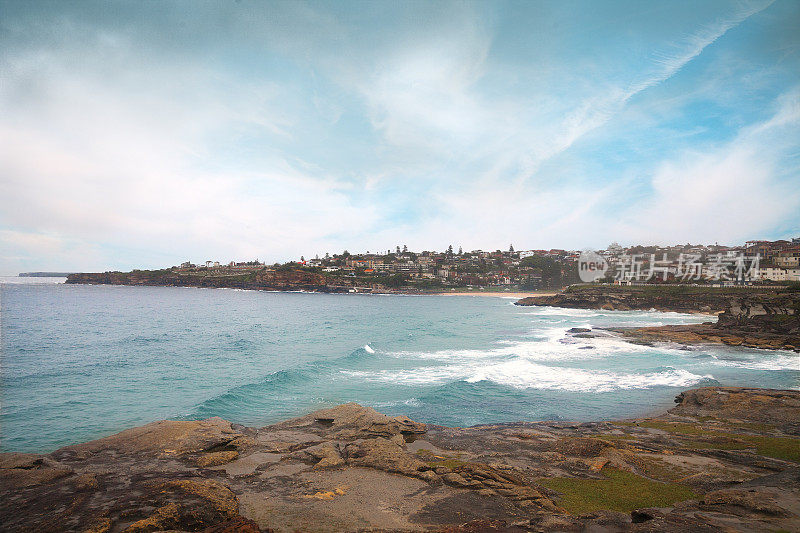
(788, 258)
(773, 274)
(360, 263)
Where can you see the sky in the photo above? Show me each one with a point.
(145, 134)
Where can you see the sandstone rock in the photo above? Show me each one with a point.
(20, 470)
(777, 407)
(387, 455)
(489, 472)
(215, 458)
(582, 446)
(750, 500)
(237, 525)
(325, 455)
(353, 421)
(165, 438)
(85, 482)
(187, 504)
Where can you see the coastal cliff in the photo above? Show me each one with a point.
(766, 318)
(261, 279)
(723, 458)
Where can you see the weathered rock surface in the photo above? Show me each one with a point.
(778, 407)
(722, 459)
(690, 334)
(768, 318)
(635, 298)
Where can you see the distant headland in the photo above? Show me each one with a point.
(756, 263)
(44, 274)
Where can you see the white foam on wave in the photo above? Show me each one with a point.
(526, 375)
(560, 311)
(411, 402)
(760, 361)
(553, 344)
(414, 376)
(523, 374)
(368, 349)
(621, 318)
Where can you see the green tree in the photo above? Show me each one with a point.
(396, 280)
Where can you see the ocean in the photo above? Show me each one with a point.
(80, 362)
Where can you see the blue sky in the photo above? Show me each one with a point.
(143, 134)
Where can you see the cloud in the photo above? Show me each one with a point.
(120, 156)
(597, 110)
(273, 130)
(730, 194)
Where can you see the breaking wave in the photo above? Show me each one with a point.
(523, 374)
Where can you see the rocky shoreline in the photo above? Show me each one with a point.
(766, 319)
(722, 459)
(269, 280)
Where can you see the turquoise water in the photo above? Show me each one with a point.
(81, 362)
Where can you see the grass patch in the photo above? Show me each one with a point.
(619, 491)
(715, 443)
(661, 470)
(784, 448)
(678, 427)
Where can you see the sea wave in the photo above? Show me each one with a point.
(522, 374)
(553, 344)
(759, 361)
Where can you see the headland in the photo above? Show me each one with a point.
(752, 317)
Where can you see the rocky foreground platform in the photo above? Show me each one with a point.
(724, 459)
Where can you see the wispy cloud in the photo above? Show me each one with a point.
(598, 110)
(301, 128)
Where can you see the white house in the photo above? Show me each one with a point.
(773, 274)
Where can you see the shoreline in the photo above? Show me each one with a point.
(498, 294)
(721, 456)
(764, 319)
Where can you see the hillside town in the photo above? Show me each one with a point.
(755, 262)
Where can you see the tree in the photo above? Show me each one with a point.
(395, 280)
(405, 249)
(398, 250)
(511, 248)
(460, 251)
(302, 258)
(450, 250)
(345, 254)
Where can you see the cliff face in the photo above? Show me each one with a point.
(661, 298)
(779, 314)
(279, 280)
(723, 459)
